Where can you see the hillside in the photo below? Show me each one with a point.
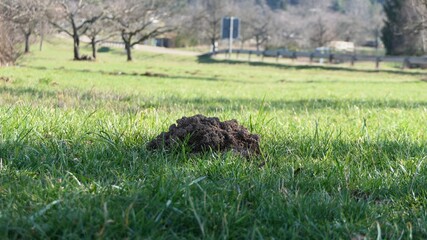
(337, 5)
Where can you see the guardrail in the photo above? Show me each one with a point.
(112, 44)
(406, 61)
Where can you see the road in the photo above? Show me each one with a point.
(163, 50)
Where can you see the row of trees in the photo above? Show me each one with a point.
(307, 24)
(304, 23)
(134, 21)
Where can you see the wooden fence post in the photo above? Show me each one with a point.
(405, 63)
(353, 60)
(331, 58)
(237, 54)
(277, 56)
(377, 63)
(250, 54)
(311, 57)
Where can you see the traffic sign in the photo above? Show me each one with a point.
(230, 25)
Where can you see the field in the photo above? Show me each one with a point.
(344, 150)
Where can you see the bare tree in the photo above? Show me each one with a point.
(245, 32)
(321, 33)
(74, 17)
(362, 21)
(299, 27)
(209, 16)
(188, 34)
(26, 15)
(8, 52)
(256, 21)
(139, 20)
(99, 32)
(261, 24)
(9, 39)
(376, 23)
(43, 30)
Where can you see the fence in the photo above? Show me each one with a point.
(405, 61)
(112, 44)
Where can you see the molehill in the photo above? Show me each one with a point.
(203, 134)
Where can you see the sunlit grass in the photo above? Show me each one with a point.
(344, 150)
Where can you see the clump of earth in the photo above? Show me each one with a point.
(203, 134)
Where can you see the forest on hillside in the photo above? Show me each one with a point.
(337, 5)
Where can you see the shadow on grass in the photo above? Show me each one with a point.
(217, 78)
(297, 105)
(127, 74)
(204, 103)
(27, 91)
(206, 59)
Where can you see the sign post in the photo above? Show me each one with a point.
(230, 31)
(230, 43)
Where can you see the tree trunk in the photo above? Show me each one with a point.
(128, 51)
(76, 47)
(127, 39)
(27, 42)
(213, 46)
(41, 42)
(93, 43)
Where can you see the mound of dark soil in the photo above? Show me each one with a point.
(201, 134)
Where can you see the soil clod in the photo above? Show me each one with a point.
(5, 79)
(152, 74)
(202, 133)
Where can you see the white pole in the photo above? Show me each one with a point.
(230, 46)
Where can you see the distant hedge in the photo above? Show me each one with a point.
(104, 49)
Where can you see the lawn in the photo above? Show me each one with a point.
(344, 150)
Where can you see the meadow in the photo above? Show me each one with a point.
(343, 150)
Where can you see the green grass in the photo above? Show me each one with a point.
(344, 149)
